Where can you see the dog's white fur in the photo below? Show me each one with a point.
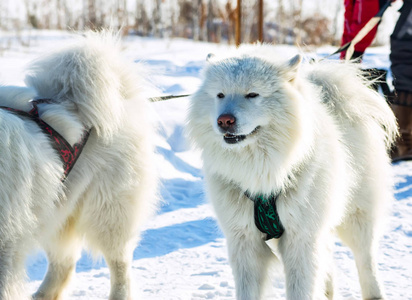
(111, 190)
(322, 142)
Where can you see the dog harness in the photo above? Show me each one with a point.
(68, 154)
(266, 215)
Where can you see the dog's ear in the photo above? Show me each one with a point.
(210, 57)
(291, 67)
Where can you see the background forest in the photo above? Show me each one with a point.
(302, 22)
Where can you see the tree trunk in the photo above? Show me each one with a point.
(238, 34)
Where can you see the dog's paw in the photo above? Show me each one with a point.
(39, 295)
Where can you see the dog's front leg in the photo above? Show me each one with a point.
(250, 259)
(11, 273)
(249, 255)
(303, 259)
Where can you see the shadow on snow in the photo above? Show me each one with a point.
(155, 242)
(404, 188)
(162, 241)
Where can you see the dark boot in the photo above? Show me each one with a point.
(402, 108)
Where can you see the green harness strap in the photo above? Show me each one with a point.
(266, 215)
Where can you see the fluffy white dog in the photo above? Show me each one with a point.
(293, 153)
(111, 189)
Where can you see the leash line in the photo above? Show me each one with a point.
(164, 98)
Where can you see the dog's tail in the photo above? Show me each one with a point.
(347, 92)
(91, 77)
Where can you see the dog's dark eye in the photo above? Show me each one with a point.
(252, 95)
(221, 95)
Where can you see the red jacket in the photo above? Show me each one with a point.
(357, 14)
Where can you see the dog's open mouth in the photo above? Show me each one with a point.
(234, 139)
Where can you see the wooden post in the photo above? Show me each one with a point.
(238, 35)
(260, 24)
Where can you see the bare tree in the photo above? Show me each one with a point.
(197, 10)
(186, 18)
(3, 10)
(142, 22)
(91, 21)
(121, 13)
(156, 19)
(209, 21)
(231, 21)
(261, 21)
(238, 33)
(297, 20)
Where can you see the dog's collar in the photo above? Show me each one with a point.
(266, 215)
(68, 154)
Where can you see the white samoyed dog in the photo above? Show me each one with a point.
(293, 153)
(110, 191)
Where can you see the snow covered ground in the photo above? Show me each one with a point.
(182, 254)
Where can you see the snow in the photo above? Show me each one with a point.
(183, 254)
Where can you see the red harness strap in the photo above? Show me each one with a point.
(68, 154)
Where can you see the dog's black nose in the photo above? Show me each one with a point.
(226, 121)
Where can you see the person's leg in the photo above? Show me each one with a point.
(402, 108)
(401, 67)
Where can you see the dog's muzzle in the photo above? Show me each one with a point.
(234, 139)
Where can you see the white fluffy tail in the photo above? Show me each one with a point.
(92, 75)
(349, 94)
